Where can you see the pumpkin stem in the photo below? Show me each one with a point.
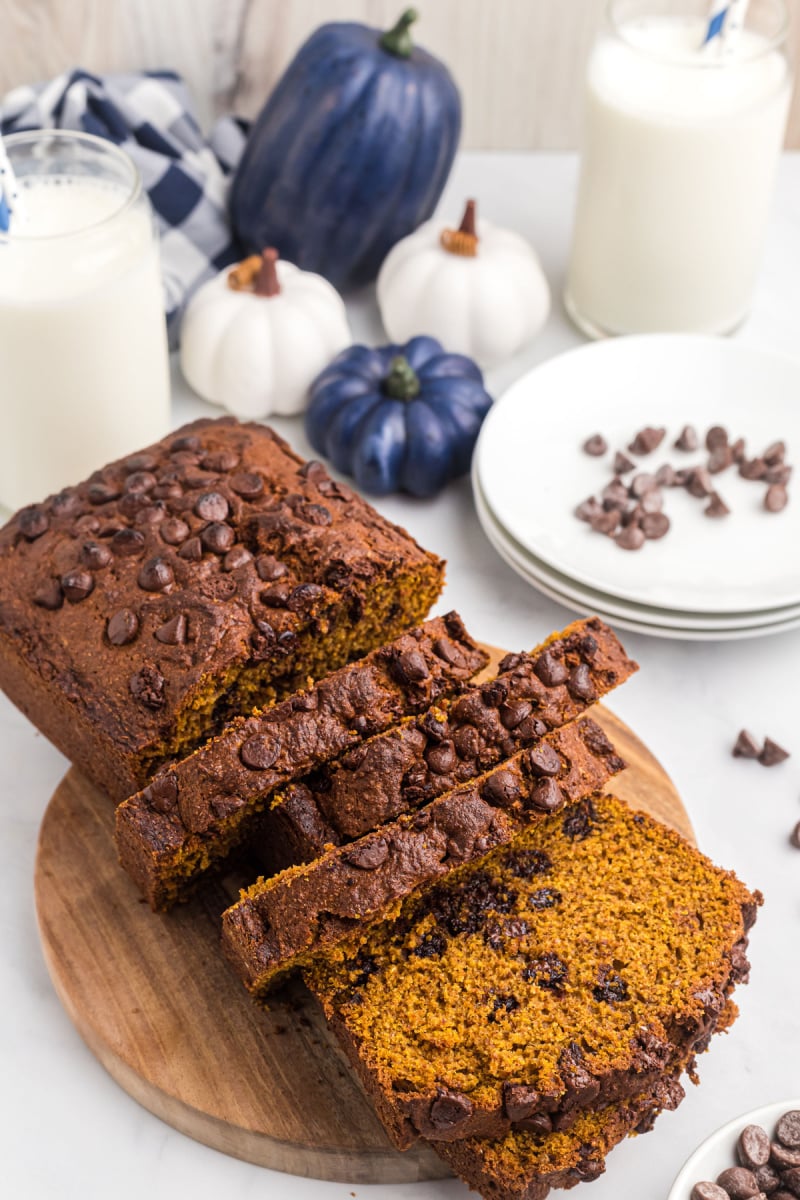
(266, 281)
(464, 240)
(397, 40)
(402, 382)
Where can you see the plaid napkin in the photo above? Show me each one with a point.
(150, 115)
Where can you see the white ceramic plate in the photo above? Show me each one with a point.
(627, 622)
(533, 472)
(589, 599)
(719, 1150)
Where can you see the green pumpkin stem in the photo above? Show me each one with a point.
(397, 40)
(402, 382)
(266, 281)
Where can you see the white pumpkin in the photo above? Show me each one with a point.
(254, 338)
(480, 291)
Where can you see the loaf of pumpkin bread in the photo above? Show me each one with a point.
(573, 967)
(425, 756)
(199, 578)
(195, 811)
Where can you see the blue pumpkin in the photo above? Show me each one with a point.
(350, 153)
(398, 418)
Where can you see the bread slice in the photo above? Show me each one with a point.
(573, 967)
(455, 741)
(188, 818)
(283, 922)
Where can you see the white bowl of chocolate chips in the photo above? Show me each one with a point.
(754, 1156)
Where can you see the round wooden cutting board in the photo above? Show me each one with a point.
(156, 1003)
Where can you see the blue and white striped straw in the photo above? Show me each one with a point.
(9, 190)
(725, 23)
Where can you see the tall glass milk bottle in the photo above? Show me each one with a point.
(680, 147)
(84, 375)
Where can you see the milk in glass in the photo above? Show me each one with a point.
(680, 148)
(83, 355)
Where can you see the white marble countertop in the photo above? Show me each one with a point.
(68, 1131)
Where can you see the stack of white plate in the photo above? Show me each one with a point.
(726, 578)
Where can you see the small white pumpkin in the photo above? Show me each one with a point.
(254, 338)
(481, 292)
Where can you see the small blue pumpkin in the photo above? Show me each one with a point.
(398, 418)
(350, 153)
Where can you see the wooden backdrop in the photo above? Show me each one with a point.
(518, 62)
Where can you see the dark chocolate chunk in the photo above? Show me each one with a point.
(790, 1180)
(767, 1178)
(546, 795)
(771, 754)
(520, 1101)
(128, 542)
(260, 751)
(148, 687)
(246, 484)
(450, 1109)
(596, 445)
(237, 557)
(303, 597)
(191, 550)
(410, 667)
(217, 537)
(368, 855)
(610, 988)
(776, 498)
(122, 627)
(173, 632)
(513, 713)
(155, 575)
(543, 760)
(716, 506)
(787, 1131)
(49, 595)
(746, 745)
(77, 585)
(442, 759)
(647, 440)
(550, 670)
(269, 569)
(630, 538)
(784, 1158)
(448, 652)
(162, 793)
(655, 525)
(753, 1147)
(580, 685)
(173, 531)
(622, 464)
(687, 439)
(738, 1183)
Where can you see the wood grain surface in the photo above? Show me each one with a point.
(519, 63)
(156, 1003)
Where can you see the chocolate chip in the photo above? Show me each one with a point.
(122, 627)
(708, 1191)
(162, 794)
(753, 1146)
(466, 742)
(647, 440)
(33, 522)
(588, 509)
(651, 502)
(442, 759)
(716, 438)
(410, 667)
(737, 450)
(49, 595)
(140, 481)
(520, 1101)
(615, 495)
(782, 473)
(170, 490)
(787, 1131)
(448, 652)
(716, 506)
(77, 585)
(550, 670)
(148, 687)
(220, 460)
(450, 1109)
(700, 483)
(543, 760)
(369, 854)
(237, 557)
(304, 597)
(65, 504)
(655, 525)
(191, 550)
(784, 1158)
(776, 498)
(151, 514)
(687, 439)
(102, 493)
(745, 746)
(276, 596)
(217, 537)
(127, 543)
(546, 795)
(606, 522)
(211, 506)
(187, 441)
(247, 484)
(767, 1179)
(754, 468)
(95, 555)
(643, 483)
(774, 453)
(666, 476)
(313, 514)
(580, 685)
(173, 531)
(596, 445)
(173, 631)
(269, 569)
(260, 751)
(513, 712)
(155, 575)
(501, 789)
(630, 538)
(770, 756)
(622, 464)
(739, 1183)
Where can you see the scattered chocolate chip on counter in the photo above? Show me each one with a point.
(622, 464)
(746, 746)
(647, 440)
(772, 754)
(687, 439)
(769, 755)
(716, 506)
(596, 445)
(768, 1166)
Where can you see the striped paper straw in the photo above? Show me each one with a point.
(725, 22)
(9, 190)
(716, 20)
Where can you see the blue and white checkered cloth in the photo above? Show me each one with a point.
(150, 115)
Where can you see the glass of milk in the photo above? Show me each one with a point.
(83, 353)
(681, 143)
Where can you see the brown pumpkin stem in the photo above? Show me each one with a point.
(257, 274)
(464, 240)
